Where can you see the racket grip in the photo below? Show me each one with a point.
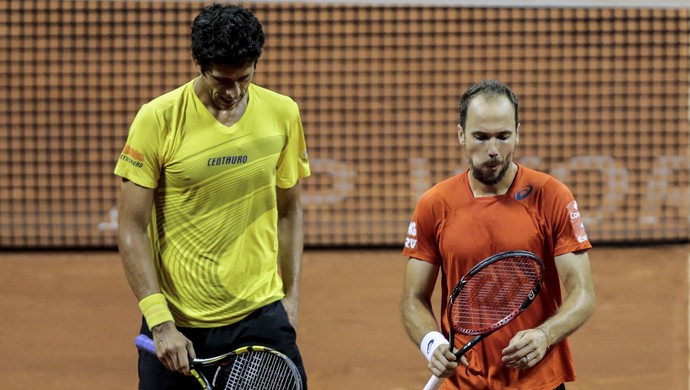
(434, 383)
(144, 342)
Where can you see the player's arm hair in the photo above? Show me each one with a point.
(290, 238)
(415, 304)
(579, 302)
(134, 215)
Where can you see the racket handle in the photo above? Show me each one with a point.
(144, 342)
(434, 383)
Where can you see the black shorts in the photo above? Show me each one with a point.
(268, 326)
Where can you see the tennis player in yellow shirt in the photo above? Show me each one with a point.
(210, 224)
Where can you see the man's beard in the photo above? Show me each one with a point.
(489, 181)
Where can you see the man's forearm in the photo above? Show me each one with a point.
(418, 318)
(576, 309)
(290, 250)
(137, 262)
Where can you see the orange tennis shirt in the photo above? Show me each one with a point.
(454, 230)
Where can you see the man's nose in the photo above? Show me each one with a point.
(233, 90)
(493, 150)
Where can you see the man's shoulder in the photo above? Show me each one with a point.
(450, 187)
(533, 174)
(538, 181)
(269, 95)
(171, 98)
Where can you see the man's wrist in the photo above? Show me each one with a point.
(546, 336)
(430, 342)
(155, 310)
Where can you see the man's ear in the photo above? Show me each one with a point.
(461, 135)
(517, 134)
(198, 66)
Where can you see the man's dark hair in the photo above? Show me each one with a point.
(489, 89)
(226, 34)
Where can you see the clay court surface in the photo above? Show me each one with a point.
(69, 321)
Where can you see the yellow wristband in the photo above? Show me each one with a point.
(155, 310)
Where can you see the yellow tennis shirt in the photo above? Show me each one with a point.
(214, 222)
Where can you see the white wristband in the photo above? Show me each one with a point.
(430, 342)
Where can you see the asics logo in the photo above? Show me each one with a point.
(524, 192)
(428, 346)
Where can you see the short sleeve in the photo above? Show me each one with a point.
(568, 228)
(293, 163)
(139, 160)
(421, 239)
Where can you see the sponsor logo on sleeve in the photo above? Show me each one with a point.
(576, 222)
(411, 239)
(132, 156)
(304, 157)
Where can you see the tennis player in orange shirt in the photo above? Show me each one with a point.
(498, 205)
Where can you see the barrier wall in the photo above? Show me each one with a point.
(603, 97)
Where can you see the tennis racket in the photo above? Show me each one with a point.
(493, 293)
(246, 368)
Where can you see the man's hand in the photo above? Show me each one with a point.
(526, 349)
(443, 362)
(173, 349)
(291, 304)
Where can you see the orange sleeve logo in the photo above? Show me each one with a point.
(131, 152)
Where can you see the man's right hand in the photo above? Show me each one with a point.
(173, 349)
(443, 362)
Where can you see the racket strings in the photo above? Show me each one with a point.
(257, 370)
(494, 295)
